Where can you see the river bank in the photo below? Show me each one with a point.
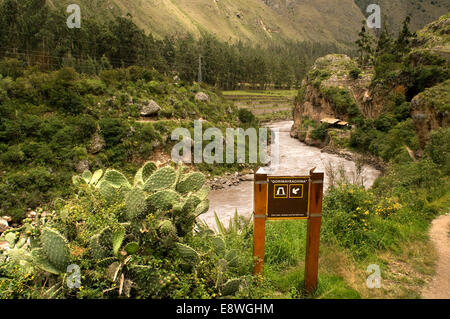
(233, 193)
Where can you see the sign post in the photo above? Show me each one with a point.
(259, 217)
(289, 198)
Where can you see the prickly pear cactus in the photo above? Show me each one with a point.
(191, 183)
(55, 248)
(163, 200)
(187, 253)
(147, 170)
(116, 179)
(162, 178)
(231, 287)
(101, 245)
(167, 233)
(87, 175)
(202, 208)
(166, 228)
(136, 204)
(96, 177)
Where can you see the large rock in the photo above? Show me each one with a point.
(201, 97)
(330, 81)
(97, 143)
(3, 224)
(82, 166)
(150, 108)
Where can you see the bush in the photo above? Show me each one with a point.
(355, 73)
(66, 100)
(320, 133)
(13, 156)
(113, 130)
(438, 149)
(245, 116)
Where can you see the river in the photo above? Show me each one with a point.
(296, 158)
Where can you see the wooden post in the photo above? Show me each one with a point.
(259, 220)
(313, 233)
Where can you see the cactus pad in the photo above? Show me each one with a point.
(147, 170)
(187, 253)
(231, 287)
(161, 179)
(106, 190)
(135, 203)
(166, 228)
(202, 208)
(163, 200)
(55, 247)
(191, 183)
(40, 260)
(87, 175)
(203, 193)
(96, 177)
(116, 179)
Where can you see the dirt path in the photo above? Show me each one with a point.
(439, 287)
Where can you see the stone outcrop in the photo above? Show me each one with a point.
(97, 143)
(430, 111)
(201, 97)
(333, 86)
(150, 108)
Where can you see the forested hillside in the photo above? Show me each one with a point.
(38, 35)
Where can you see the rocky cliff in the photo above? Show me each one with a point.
(337, 88)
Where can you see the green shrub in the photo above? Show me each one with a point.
(13, 156)
(355, 73)
(438, 148)
(245, 116)
(113, 130)
(320, 133)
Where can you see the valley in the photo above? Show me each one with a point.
(113, 135)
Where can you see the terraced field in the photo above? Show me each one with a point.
(266, 105)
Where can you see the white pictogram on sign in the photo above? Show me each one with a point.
(281, 191)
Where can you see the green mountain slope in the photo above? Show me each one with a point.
(260, 21)
(421, 12)
(249, 20)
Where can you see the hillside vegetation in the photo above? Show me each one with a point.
(53, 124)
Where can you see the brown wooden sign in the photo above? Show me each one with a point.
(288, 197)
(278, 198)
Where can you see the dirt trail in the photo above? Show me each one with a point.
(439, 287)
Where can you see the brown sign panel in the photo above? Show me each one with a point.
(288, 197)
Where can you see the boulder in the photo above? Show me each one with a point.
(3, 224)
(97, 143)
(150, 108)
(82, 166)
(201, 97)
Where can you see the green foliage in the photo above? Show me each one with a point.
(245, 116)
(355, 73)
(341, 99)
(320, 133)
(438, 149)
